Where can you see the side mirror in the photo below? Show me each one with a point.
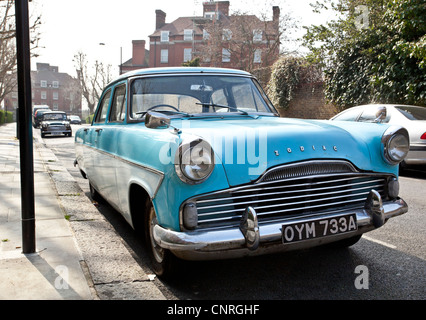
(380, 114)
(155, 120)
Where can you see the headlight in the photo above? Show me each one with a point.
(396, 144)
(194, 161)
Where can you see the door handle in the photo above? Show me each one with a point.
(98, 130)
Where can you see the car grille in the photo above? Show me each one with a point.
(56, 127)
(304, 189)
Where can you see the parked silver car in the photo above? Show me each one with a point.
(413, 118)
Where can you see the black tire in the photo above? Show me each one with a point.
(95, 194)
(163, 262)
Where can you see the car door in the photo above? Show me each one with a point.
(96, 166)
(107, 141)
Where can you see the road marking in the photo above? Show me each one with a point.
(380, 242)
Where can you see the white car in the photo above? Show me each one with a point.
(413, 118)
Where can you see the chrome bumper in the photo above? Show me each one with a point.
(252, 238)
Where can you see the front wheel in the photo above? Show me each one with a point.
(162, 260)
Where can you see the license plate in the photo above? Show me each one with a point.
(55, 134)
(318, 228)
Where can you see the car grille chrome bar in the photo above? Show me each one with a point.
(284, 195)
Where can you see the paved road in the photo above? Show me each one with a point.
(388, 263)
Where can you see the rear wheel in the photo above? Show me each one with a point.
(162, 260)
(94, 194)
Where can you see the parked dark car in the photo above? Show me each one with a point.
(55, 123)
(38, 116)
(74, 119)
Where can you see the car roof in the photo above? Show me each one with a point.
(179, 70)
(55, 112)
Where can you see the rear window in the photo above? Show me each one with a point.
(413, 113)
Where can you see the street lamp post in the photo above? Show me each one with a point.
(25, 126)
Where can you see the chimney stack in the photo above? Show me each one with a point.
(276, 14)
(216, 6)
(138, 57)
(160, 19)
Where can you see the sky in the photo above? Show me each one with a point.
(82, 25)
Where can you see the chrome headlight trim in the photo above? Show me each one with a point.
(194, 161)
(395, 144)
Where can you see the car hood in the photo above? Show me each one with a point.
(248, 147)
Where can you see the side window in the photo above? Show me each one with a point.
(118, 108)
(349, 115)
(246, 99)
(103, 108)
(218, 97)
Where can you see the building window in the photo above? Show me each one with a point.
(209, 15)
(164, 56)
(188, 35)
(55, 84)
(165, 36)
(226, 35)
(187, 54)
(226, 55)
(55, 106)
(43, 95)
(257, 56)
(55, 95)
(206, 35)
(43, 83)
(257, 35)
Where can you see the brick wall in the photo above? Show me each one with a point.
(309, 103)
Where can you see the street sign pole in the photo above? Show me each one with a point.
(25, 126)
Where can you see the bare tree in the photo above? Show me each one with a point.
(93, 80)
(8, 62)
(251, 42)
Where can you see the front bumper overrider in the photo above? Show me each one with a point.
(253, 238)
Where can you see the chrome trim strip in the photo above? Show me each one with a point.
(307, 168)
(155, 171)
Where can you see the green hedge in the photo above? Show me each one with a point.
(89, 118)
(9, 116)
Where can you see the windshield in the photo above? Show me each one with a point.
(54, 116)
(413, 113)
(189, 95)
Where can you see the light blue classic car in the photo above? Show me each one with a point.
(200, 161)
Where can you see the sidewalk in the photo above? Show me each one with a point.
(78, 254)
(54, 271)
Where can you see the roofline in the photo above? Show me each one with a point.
(179, 70)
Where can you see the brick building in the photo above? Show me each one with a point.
(215, 38)
(140, 57)
(59, 91)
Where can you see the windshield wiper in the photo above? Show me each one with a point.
(177, 112)
(221, 106)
